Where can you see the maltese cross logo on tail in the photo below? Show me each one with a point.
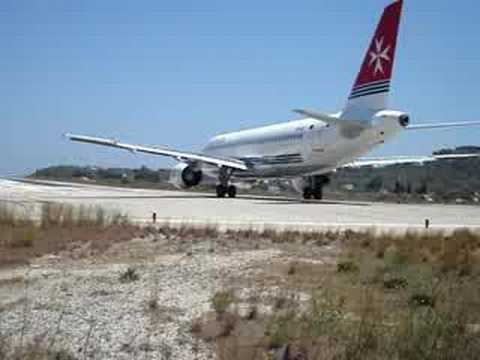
(378, 55)
(372, 84)
(378, 62)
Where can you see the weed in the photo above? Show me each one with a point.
(393, 257)
(281, 329)
(252, 312)
(422, 300)
(292, 269)
(284, 300)
(8, 216)
(221, 301)
(152, 304)
(129, 275)
(347, 266)
(23, 237)
(227, 323)
(430, 315)
(395, 283)
(34, 351)
(60, 227)
(100, 217)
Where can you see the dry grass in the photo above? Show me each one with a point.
(410, 296)
(401, 296)
(251, 238)
(284, 237)
(59, 228)
(458, 252)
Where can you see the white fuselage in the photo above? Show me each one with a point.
(301, 147)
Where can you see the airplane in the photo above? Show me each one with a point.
(308, 150)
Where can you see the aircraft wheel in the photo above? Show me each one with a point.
(307, 193)
(318, 194)
(221, 191)
(232, 191)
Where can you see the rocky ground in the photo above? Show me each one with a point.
(137, 300)
(199, 293)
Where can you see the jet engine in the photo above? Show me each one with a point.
(184, 176)
(397, 118)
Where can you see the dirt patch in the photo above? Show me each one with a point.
(120, 291)
(385, 295)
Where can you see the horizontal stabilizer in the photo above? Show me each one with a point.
(328, 119)
(397, 160)
(349, 129)
(442, 125)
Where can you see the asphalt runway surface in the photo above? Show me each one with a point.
(177, 207)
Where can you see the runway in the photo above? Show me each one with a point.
(178, 207)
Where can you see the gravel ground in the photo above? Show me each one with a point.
(84, 308)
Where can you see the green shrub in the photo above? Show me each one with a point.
(422, 300)
(221, 300)
(130, 275)
(347, 267)
(395, 283)
(281, 329)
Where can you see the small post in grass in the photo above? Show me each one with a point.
(154, 217)
(427, 223)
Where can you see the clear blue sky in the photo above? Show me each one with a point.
(178, 72)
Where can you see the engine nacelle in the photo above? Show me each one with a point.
(184, 176)
(398, 118)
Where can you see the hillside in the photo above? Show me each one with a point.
(460, 177)
(446, 180)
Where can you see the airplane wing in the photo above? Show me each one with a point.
(442, 125)
(381, 162)
(178, 155)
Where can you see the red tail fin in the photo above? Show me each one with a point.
(376, 71)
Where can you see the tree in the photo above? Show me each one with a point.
(399, 188)
(422, 189)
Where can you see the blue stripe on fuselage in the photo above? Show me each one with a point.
(274, 160)
(297, 136)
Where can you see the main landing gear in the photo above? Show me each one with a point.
(223, 189)
(314, 188)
